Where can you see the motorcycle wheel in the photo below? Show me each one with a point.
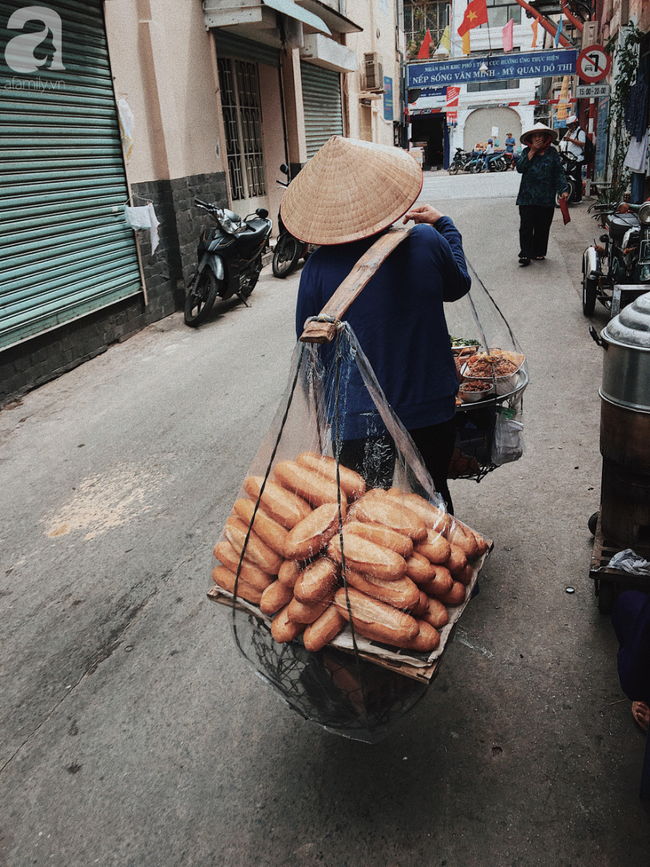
(589, 294)
(500, 165)
(285, 255)
(474, 168)
(453, 169)
(200, 298)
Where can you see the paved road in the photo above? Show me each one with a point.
(132, 734)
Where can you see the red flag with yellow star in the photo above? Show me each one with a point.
(475, 15)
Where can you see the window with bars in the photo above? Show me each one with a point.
(423, 15)
(499, 13)
(242, 118)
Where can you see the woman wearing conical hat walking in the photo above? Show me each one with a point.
(345, 197)
(542, 179)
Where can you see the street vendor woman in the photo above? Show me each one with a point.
(349, 193)
(542, 179)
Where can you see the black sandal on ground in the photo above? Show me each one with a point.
(524, 260)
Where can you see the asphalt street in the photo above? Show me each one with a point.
(132, 734)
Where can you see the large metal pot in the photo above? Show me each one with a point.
(626, 365)
(625, 425)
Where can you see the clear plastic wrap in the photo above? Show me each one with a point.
(337, 559)
(491, 386)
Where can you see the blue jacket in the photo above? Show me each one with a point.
(398, 320)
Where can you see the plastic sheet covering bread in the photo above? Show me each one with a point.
(493, 375)
(344, 573)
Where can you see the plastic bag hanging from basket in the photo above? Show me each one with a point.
(493, 375)
(338, 556)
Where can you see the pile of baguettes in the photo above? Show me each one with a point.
(405, 560)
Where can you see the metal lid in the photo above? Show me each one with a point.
(632, 325)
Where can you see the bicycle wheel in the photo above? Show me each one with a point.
(285, 255)
(200, 298)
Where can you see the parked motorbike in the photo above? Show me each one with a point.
(288, 249)
(613, 268)
(230, 259)
(569, 163)
(460, 161)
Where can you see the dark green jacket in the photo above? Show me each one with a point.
(541, 178)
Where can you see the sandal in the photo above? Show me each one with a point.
(540, 258)
(524, 260)
(641, 714)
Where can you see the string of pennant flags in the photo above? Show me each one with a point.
(475, 15)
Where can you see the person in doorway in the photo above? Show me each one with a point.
(346, 196)
(574, 143)
(510, 143)
(542, 180)
(487, 153)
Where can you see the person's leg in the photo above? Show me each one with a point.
(436, 445)
(526, 226)
(576, 174)
(542, 229)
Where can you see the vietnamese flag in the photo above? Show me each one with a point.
(475, 15)
(507, 36)
(423, 53)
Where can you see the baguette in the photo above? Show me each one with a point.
(457, 560)
(283, 629)
(421, 607)
(311, 535)
(352, 484)
(378, 507)
(283, 506)
(426, 640)
(456, 595)
(269, 531)
(257, 551)
(383, 536)
(375, 619)
(402, 594)
(289, 573)
(465, 576)
(300, 612)
(419, 569)
(226, 579)
(435, 548)
(436, 614)
(366, 557)
(434, 517)
(481, 544)
(308, 484)
(275, 597)
(440, 584)
(462, 537)
(249, 572)
(322, 631)
(316, 582)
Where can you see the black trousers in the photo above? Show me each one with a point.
(575, 173)
(534, 229)
(374, 458)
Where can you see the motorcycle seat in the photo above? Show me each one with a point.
(255, 230)
(618, 225)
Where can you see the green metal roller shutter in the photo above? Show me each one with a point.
(66, 250)
(321, 97)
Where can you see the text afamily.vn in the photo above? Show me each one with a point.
(39, 85)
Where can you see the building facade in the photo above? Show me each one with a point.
(151, 103)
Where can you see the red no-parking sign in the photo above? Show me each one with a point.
(593, 64)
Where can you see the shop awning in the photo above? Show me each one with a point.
(289, 8)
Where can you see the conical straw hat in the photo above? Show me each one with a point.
(349, 190)
(539, 127)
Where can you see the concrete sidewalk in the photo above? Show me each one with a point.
(132, 732)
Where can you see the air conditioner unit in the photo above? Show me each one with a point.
(373, 73)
